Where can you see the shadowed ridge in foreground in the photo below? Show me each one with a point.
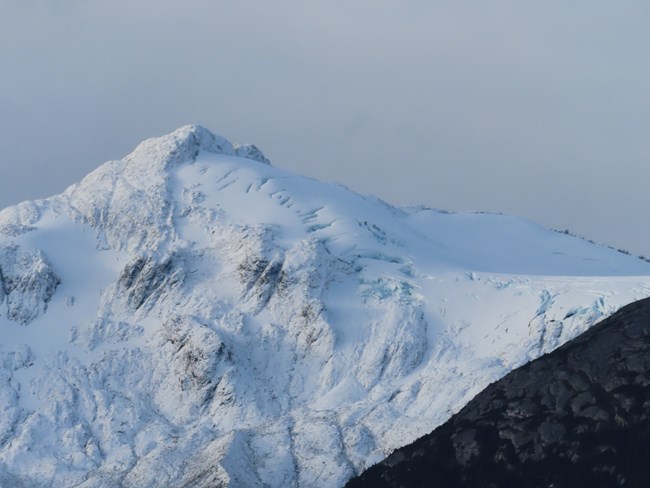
(578, 416)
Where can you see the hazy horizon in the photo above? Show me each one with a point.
(538, 110)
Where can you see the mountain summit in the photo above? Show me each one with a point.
(192, 316)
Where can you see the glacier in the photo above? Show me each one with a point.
(193, 316)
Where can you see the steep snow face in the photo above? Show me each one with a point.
(193, 316)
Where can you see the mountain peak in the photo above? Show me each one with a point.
(193, 135)
(184, 144)
(180, 146)
(131, 201)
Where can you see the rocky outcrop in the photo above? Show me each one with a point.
(192, 370)
(146, 280)
(250, 151)
(579, 416)
(20, 219)
(28, 282)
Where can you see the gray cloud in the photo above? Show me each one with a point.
(533, 108)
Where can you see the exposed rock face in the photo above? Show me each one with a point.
(145, 280)
(579, 416)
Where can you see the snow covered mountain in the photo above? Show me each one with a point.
(191, 316)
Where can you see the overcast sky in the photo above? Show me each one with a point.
(535, 108)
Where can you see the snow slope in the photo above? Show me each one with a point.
(191, 316)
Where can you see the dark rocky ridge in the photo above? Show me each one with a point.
(579, 416)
